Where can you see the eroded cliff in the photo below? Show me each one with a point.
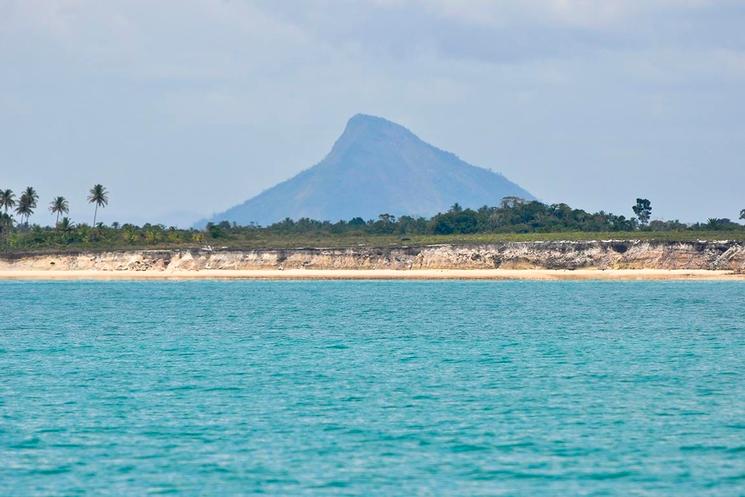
(613, 254)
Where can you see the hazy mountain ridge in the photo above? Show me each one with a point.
(376, 166)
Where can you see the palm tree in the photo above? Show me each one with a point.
(33, 197)
(25, 207)
(27, 203)
(99, 196)
(7, 199)
(59, 206)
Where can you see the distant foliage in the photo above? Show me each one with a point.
(718, 224)
(512, 216)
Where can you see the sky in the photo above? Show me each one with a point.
(183, 108)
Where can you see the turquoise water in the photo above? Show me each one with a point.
(372, 388)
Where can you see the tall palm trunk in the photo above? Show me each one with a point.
(95, 213)
(56, 223)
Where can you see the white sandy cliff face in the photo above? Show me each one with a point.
(722, 255)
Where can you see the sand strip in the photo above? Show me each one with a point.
(377, 274)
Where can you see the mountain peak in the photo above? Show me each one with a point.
(366, 130)
(368, 120)
(377, 166)
(364, 123)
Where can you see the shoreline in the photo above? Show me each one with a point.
(563, 260)
(377, 274)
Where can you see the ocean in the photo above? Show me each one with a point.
(405, 388)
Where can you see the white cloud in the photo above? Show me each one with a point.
(577, 13)
(140, 93)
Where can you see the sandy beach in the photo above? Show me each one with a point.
(376, 274)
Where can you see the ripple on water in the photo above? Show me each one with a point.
(372, 388)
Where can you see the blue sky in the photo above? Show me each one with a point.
(186, 107)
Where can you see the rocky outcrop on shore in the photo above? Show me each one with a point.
(610, 254)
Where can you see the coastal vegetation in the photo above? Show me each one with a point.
(512, 220)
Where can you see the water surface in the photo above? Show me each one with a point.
(372, 388)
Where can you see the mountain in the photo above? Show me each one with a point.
(376, 167)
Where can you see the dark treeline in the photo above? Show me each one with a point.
(513, 215)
